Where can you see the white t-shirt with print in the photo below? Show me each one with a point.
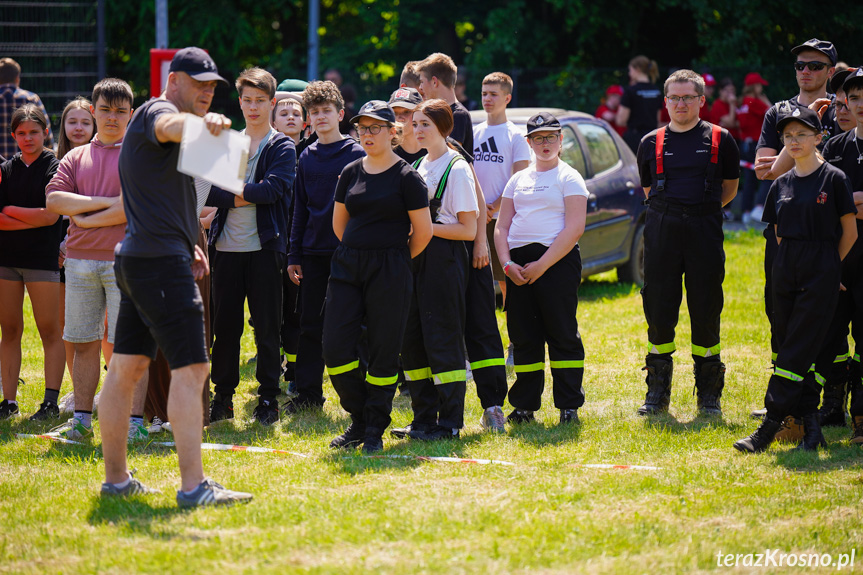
(496, 149)
(460, 192)
(538, 200)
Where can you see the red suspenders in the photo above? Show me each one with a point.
(715, 137)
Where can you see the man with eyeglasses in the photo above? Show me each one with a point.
(814, 65)
(689, 171)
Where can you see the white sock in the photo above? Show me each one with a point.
(123, 484)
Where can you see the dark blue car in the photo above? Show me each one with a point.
(614, 232)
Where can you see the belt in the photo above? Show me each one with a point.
(664, 207)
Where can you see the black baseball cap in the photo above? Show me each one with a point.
(197, 64)
(803, 115)
(377, 109)
(854, 79)
(542, 122)
(822, 46)
(838, 79)
(407, 98)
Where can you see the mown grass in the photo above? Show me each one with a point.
(331, 513)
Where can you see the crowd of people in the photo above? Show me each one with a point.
(368, 250)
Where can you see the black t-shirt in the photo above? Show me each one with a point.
(410, 158)
(379, 204)
(686, 156)
(24, 186)
(770, 137)
(845, 152)
(159, 201)
(809, 208)
(462, 129)
(643, 100)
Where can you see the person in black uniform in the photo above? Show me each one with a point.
(378, 200)
(814, 65)
(844, 152)
(641, 104)
(689, 170)
(812, 211)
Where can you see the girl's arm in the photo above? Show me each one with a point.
(340, 219)
(849, 234)
(36, 217)
(10, 224)
(464, 230)
(501, 233)
(421, 231)
(575, 214)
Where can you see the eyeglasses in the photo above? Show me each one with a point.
(540, 140)
(685, 99)
(840, 106)
(795, 138)
(813, 66)
(374, 129)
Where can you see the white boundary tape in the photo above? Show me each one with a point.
(610, 466)
(51, 437)
(227, 447)
(441, 459)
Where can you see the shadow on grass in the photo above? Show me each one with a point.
(668, 422)
(594, 290)
(136, 514)
(838, 456)
(538, 434)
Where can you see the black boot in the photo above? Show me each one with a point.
(812, 436)
(373, 441)
(658, 379)
(351, 438)
(709, 382)
(835, 400)
(761, 439)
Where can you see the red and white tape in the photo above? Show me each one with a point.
(610, 466)
(227, 447)
(441, 459)
(747, 165)
(51, 437)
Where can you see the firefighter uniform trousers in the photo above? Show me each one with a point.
(835, 361)
(433, 350)
(545, 312)
(770, 248)
(482, 336)
(683, 244)
(290, 332)
(370, 288)
(309, 370)
(806, 276)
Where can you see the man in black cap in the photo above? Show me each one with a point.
(689, 170)
(156, 266)
(814, 64)
(844, 152)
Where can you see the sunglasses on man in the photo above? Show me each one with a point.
(813, 66)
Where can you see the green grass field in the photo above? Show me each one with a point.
(332, 513)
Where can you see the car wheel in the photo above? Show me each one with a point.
(633, 270)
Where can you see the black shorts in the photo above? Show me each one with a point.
(160, 305)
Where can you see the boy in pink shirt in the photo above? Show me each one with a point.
(87, 188)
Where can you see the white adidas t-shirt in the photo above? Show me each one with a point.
(538, 199)
(496, 149)
(460, 192)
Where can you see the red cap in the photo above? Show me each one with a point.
(614, 89)
(754, 78)
(709, 80)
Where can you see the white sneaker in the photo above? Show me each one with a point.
(493, 419)
(73, 430)
(155, 426)
(137, 433)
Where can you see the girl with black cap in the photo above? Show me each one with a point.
(381, 217)
(433, 354)
(542, 217)
(812, 210)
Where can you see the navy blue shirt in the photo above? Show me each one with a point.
(318, 172)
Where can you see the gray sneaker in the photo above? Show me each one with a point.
(137, 433)
(493, 419)
(211, 493)
(134, 487)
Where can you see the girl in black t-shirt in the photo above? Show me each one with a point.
(29, 253)
(641, 103)
(812, 210)
(379, 199)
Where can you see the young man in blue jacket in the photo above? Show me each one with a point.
(249, 233)
(312, 238)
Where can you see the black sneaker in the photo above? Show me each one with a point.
(434, 433)
(220, 410)
(402, 432)
(267, 412)
(48, 410)
(351, 438)
(209, 493)
(373, 444)
(520, 416)
(7, 410)
(569, 416)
